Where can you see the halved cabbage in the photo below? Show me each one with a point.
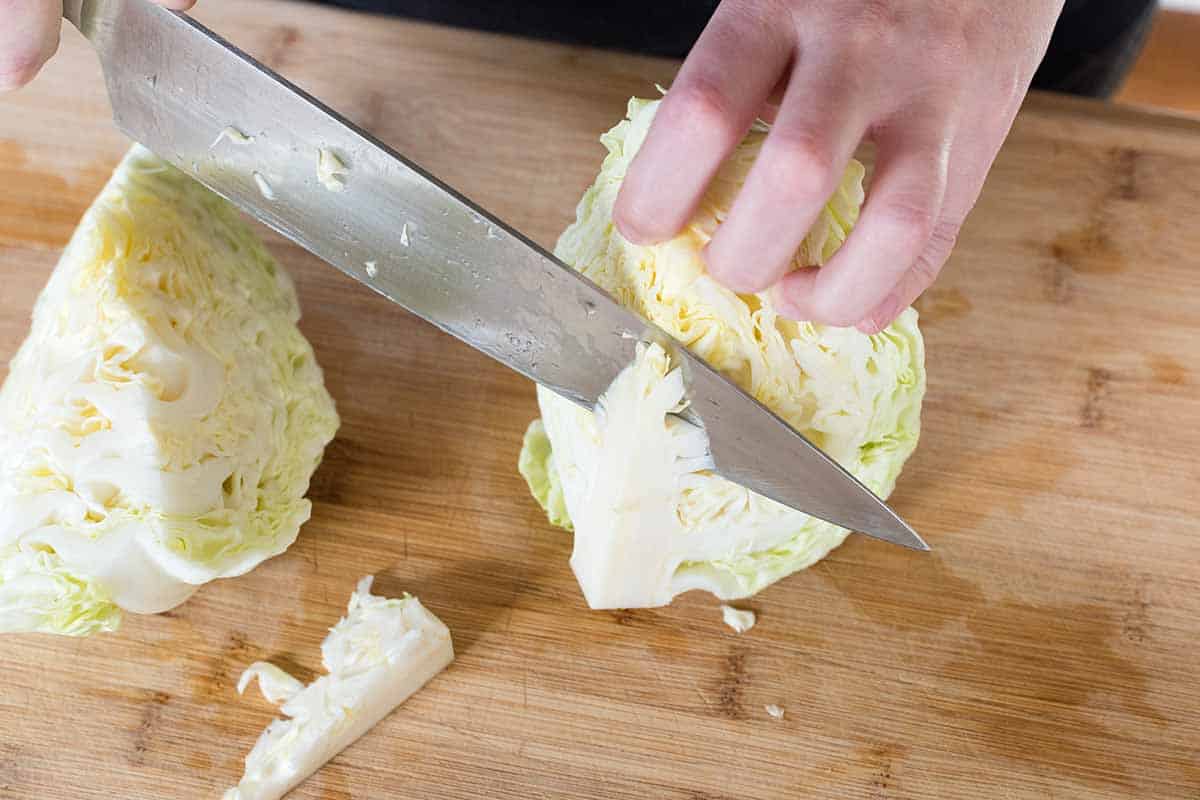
(160, 424)
(649, 521)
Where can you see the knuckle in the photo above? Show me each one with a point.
(799, 168)
(753, 16)
(837, 308)
(911, 223)
(926, 269)
(952, 26)
(880, 14)
(978, 24)
(943, 237)
(941, 242)
(965, 32)
(701, 107)
(872, 27)
(941, 62)
(863, 43)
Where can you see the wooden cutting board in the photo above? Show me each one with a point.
(1049, 647)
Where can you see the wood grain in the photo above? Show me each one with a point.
(1048, 647)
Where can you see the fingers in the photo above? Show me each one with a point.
(902, 211)
(770, 107)
(28, 37)
(714, 99)
(971, 158)
(798, 168)
(922, 275)
(911, 79)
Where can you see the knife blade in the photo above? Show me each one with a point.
(255, 139)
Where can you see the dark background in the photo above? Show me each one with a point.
(1093, 46)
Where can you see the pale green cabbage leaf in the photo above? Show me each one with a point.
(536, 465)
(650, 522)
(161, 422)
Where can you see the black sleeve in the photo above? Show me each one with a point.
(1093, 46)
(650, 27)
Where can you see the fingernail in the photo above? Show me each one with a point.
(736, 280)
(780, 305)
(631, 224)
(868, 327)
(882, 316)
(631, 233)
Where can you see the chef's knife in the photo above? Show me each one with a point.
(256, 139)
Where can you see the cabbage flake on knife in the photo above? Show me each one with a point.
(161, 422)
(650, 520)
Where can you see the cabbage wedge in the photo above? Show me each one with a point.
(161, 422)
(650, 520)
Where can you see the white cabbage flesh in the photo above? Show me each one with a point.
(741, 620)
(161, 422)
(331, 170)
(376, 657)
(276, 685)
(650, 521)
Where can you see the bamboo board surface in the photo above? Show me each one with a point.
(1049, 647)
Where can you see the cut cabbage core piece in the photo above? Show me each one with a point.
(376, 657)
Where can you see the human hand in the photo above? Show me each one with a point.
(29, 36)
(935, 84)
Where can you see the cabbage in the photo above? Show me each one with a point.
(536, 465)
(650, 520)
(159, 426)
(741, 620)
(376, 657)
(39, 594)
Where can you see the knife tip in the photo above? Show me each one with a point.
(913, 540)
(897, 531)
